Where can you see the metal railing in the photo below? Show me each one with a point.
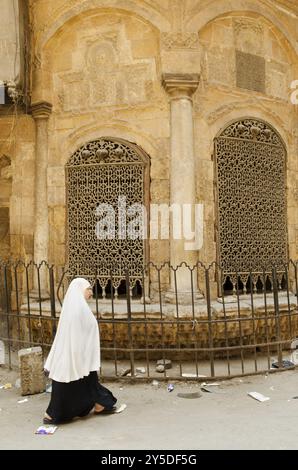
(205, 333)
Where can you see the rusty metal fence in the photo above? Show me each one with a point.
(203, 332)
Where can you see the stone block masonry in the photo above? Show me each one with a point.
(31, 371)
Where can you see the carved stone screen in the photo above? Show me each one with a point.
(252, 228)
(99, 173)
(250, 71)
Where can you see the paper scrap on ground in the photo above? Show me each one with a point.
(23, 401)
(258, 396)
(46, 430)
(121, 408)
(6, 386)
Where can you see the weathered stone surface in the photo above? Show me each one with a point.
(31, 371)
(9, 48)
(2, 352)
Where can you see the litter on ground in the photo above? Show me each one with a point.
(6, 386)
(283, 365)
(258, 396)
(46, 430)
(121, 408)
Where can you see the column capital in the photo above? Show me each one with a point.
(180, 85)
(41, 110)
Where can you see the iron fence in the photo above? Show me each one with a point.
(200, 331)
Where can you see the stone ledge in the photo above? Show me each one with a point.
(169, 310)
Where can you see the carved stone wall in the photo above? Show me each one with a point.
(4, 232)
(255, 85)
(17, 181)
(105, 82)
(235, 42)
(5, 181)
(100, 64)
(107, 68)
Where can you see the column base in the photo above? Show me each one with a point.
(184, 297)
(34, 295)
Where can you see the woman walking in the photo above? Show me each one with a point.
(74, 360)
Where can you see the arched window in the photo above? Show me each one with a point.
(104, 178)
(251, 201)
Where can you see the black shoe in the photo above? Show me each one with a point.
(48, 421)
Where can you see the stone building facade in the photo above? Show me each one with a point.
(161, 85)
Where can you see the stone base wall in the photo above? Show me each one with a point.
(174, 334)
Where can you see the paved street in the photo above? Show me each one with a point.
(158, 419)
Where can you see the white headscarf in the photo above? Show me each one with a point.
(75, 351)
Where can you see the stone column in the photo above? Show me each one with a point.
(41, 112)
(180, 88)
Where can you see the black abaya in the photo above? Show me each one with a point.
(77, 398)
